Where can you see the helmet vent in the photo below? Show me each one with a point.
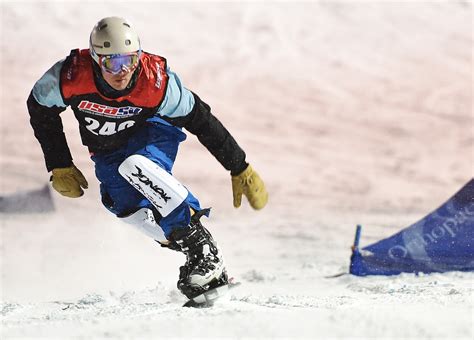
(113, 36)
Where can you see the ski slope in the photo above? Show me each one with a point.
(352, 113)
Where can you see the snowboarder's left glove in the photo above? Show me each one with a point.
(251, 185)
(68, 181)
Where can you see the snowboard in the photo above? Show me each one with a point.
(207, 299)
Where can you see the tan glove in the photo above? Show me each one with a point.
(68, 181)
(251, 185)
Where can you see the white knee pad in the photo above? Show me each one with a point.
(157, 185)
(144, 221)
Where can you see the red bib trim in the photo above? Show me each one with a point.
(77, 79)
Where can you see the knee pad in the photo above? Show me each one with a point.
(156, 184)
(144, 221)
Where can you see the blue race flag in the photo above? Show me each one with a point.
(440, 242)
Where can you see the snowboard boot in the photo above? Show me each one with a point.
(204, 267)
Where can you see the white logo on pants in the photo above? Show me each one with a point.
(155, 183)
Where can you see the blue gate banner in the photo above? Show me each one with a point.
(440, 242)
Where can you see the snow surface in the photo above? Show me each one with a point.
(352, 112)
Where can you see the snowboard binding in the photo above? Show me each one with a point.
(204, 268)
(213, 292)
(191, 291)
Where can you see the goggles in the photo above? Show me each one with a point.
(117, 63)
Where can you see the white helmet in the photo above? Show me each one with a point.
(113, 35)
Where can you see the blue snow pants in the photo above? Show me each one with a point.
(157, 141)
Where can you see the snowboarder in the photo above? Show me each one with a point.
(131, 109)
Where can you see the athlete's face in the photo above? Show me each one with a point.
(118, 81)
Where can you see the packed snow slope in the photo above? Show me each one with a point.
(352, 112)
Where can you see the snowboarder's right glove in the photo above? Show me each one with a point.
(68, 181)
(251, 185)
